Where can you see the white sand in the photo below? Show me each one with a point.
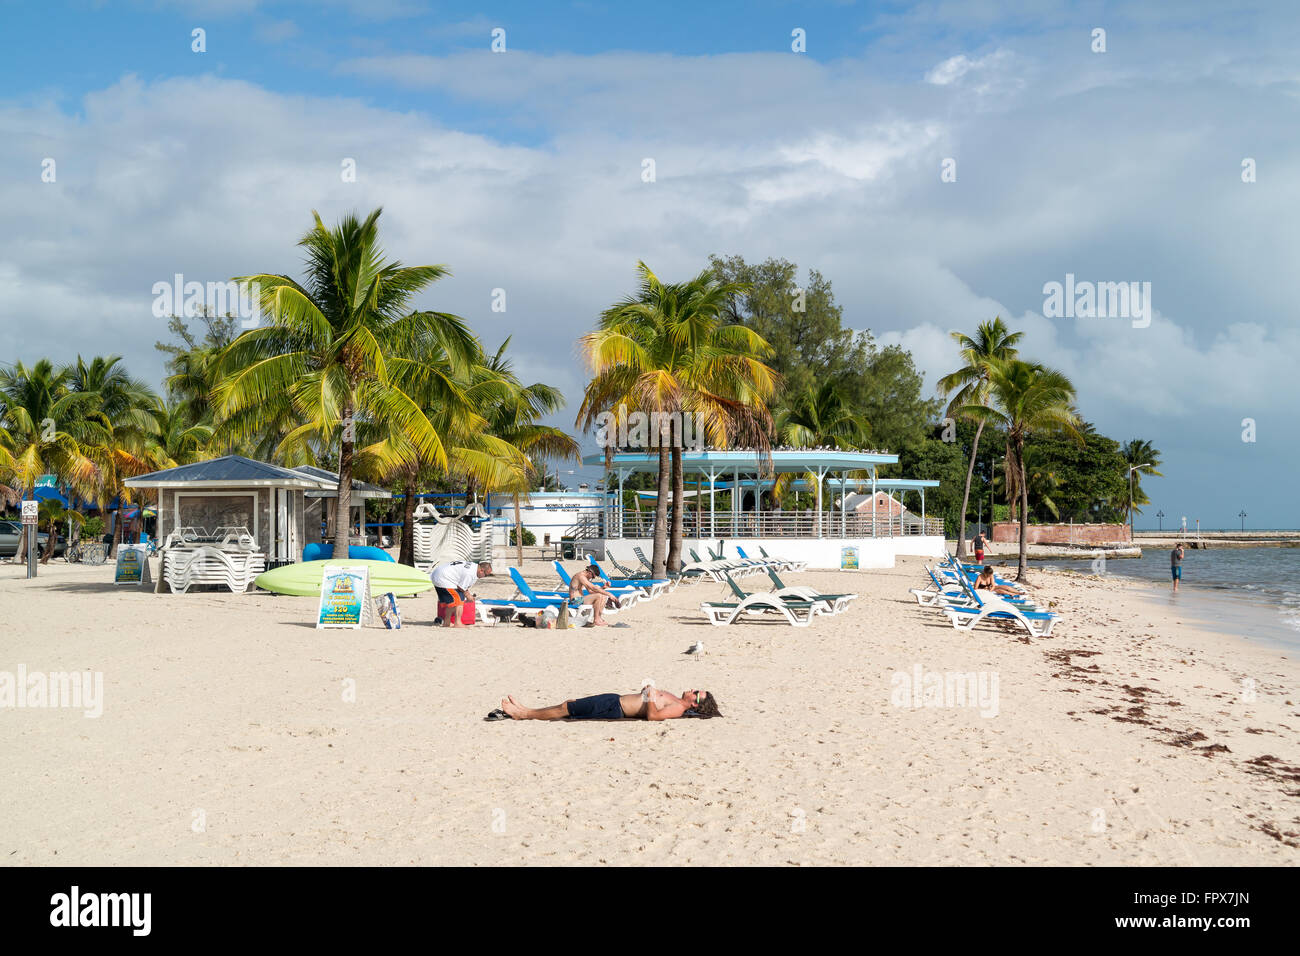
(230, 709)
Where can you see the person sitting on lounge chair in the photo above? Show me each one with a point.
(588, 579)
(985, 582)
(452, 580)
(650, 704)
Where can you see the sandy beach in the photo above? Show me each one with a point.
(234, 732)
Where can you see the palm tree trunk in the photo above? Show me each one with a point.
(343, 504)
(519, 534)
(117, 528)
(51, 543)
(659, 553)
(1022, 569)
(965, 498)
(679, 507)
(20, 556)
(406, 553)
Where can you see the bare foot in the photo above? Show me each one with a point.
(600, 623)
(513, 709)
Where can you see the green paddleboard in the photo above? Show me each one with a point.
(304, 578)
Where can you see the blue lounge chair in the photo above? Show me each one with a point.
(964, 617)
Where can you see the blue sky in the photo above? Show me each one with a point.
(522, 170)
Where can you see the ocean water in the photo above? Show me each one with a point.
(1254, 592)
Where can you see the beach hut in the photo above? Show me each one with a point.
(232, 492)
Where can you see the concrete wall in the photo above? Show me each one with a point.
(820, 553)
(1008, 532)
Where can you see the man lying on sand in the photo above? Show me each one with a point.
(650, 704)
(985, 582)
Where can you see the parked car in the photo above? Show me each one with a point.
(11, 534)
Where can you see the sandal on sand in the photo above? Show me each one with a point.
(497, 714)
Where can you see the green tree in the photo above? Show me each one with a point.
(1091, 472)
(51, 515)
(802, 324)
(1142, 458)
(43, 431)
(667, 349)
(944, 461)
(815, 417)
(969, 385)
(513, 418)
(121, 410)
(1027, 399)
(334, 350)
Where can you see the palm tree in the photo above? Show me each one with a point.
(667, 350)
(457, 401)
(513, 419)
(1026, 398)
(334, 352)
(122, 408)
(179, 440)
(1043, 483)
(992, 340)
(49, 515)
(43, 430)
(1143, 459)
(815, 418)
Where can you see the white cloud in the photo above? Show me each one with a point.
(762, 155)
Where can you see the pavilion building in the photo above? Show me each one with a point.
(845, 526)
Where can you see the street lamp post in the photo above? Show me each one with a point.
(1160, 516)
(1242, 515)
(1130, 497)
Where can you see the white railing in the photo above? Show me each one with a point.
(780, 524)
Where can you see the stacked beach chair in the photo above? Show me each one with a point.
(227, 557)
(439, 537)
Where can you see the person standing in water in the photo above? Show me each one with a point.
(1176, 564)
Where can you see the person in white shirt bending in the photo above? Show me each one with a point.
(452, 580)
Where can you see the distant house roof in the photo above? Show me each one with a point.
(229, 471)
(330, 481)
(885, 504)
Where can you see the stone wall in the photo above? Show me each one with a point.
(1008, 532)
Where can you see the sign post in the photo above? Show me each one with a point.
(132, 565)
(344, 596)
(30, 511)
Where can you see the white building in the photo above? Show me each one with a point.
(549, 515)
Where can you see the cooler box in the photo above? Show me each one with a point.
(466, 614)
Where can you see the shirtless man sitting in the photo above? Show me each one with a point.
(588, 579)
(985, 582)
(650, 704)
